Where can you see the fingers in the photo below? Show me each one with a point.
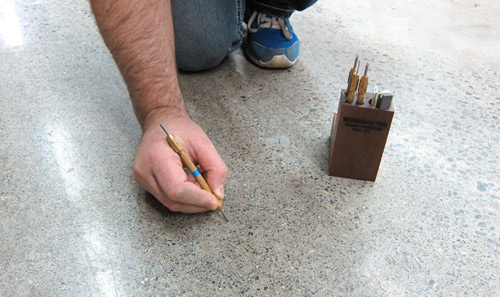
(175, 187)
(187, 193)
(151, 185)
(161, 174)
(185, 208)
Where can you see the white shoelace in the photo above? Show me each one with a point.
(265, 21)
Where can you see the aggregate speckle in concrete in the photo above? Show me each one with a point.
(74, 222)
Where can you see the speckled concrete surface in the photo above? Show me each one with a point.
(74, 223)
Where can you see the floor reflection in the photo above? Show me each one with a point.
(11, 33)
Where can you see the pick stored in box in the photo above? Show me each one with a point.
(358, 137)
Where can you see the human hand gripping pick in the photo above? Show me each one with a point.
(159, 170)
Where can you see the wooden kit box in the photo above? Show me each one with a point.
(358, 137)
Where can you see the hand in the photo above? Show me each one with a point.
(159, 170)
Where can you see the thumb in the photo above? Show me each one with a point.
(215, 170)
(216, 177)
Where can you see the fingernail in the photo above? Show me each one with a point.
(219, 192)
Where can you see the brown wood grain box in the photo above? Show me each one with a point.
(358, 137)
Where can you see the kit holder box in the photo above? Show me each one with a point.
(358, 137)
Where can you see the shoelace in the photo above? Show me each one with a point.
(265, 21)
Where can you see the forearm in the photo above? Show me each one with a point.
(140, 36)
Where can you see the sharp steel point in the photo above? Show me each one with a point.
(355, 61)
(224, 216)
(366, 69)
(164, 129)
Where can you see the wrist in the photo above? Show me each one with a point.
(165, 115)
(149, 106)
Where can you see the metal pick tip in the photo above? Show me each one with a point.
(164, 129)
(224, 216)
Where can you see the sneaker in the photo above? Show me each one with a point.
(271, 42)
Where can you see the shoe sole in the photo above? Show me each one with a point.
(280, 61)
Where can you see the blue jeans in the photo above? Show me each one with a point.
(206, 31)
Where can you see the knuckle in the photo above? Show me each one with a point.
(154, 156)
(175, 193)
(175, 207)
(138, 173)
(220, 171)
(224, 171)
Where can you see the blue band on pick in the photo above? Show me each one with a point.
(196, 173)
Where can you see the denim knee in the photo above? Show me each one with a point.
(206, 31)
(197, 54)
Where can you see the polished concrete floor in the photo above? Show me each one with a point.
(74, 223)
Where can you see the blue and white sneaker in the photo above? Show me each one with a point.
(271, 42)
